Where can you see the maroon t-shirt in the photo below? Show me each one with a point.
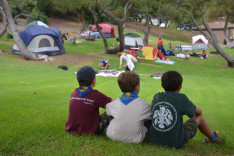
(83, 115)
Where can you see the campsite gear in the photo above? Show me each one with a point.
(183, 56)
(9, 35)
(132, 40)
(165, 62)
(140, 54)
(151, 53)
(168, 53)
(63, 67)
(85, 75)
(159, 73)
(109, 31)
(218, 140)
(41, 40)
(36, 22)
(133, 52)
(200, 42)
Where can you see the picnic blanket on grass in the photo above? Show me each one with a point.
(109, 73)
(165, 62)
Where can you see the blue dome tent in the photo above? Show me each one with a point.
(41, 40)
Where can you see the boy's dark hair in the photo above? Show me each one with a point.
(85, 76)
(171, 80)
(128, 81)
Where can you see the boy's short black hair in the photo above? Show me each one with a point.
(85, 76)
(171, 80)
(128, 81)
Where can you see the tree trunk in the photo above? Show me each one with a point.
(159, 23)
(4, 22)
(120, 23)
(98, 28)
(81, 19)
(23, 49)
(146, 32)
(230, 44)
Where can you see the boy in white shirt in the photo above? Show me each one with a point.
(129, 111)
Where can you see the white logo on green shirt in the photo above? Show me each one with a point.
(164, 116)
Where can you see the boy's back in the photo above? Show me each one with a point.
(168, 109)
(84, 112)
(84, 105)
(127, 124)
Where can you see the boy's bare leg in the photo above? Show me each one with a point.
(203, 125)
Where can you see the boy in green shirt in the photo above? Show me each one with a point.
(168, 108)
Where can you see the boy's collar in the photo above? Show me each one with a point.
(128, 97)
(83, 90)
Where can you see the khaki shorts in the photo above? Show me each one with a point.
(190, 127)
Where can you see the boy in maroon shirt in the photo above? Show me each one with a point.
(84, 106)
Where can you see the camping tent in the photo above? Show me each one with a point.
(200, 42)
(108, 30)
(41, 40)
(150, 52)
(132, 40)
(36, 22)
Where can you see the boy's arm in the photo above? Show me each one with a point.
(198, 112)
(107, 103)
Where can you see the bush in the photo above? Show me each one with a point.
(37, 15)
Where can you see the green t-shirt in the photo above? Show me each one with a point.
(167, 127)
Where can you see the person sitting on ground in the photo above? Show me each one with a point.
(84, 106)
(168, 108)
(133, 59)
(203, 55)
(129, 64)
(65, 36)
(129, 112)
(104, 64)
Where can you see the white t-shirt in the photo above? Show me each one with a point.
(128, 61)
(127, 124)
(132, 58)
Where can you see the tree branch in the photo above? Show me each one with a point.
(98, 28)
(225, 26)
(4, 21)
(15, 18)
(203, 10)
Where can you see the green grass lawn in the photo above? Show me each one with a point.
(34, 99)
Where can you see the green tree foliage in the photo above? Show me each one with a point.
(46, 6)
(38, 15)
(22, 6)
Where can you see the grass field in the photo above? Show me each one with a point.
(34, 99)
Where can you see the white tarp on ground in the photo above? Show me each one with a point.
(109, 73)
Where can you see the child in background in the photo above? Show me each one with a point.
(104, 64)
(168, 108)
(84, 106)
(128, 112)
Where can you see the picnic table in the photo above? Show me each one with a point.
(183, 48)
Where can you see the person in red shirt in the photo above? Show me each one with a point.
(203, 55)
(160, 44)
(84, 106)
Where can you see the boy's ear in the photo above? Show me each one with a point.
(137, 89)
(161, 85)
(179, 88)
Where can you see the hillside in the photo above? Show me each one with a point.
(73, 27)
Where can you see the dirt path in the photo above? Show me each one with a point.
(8, 43)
